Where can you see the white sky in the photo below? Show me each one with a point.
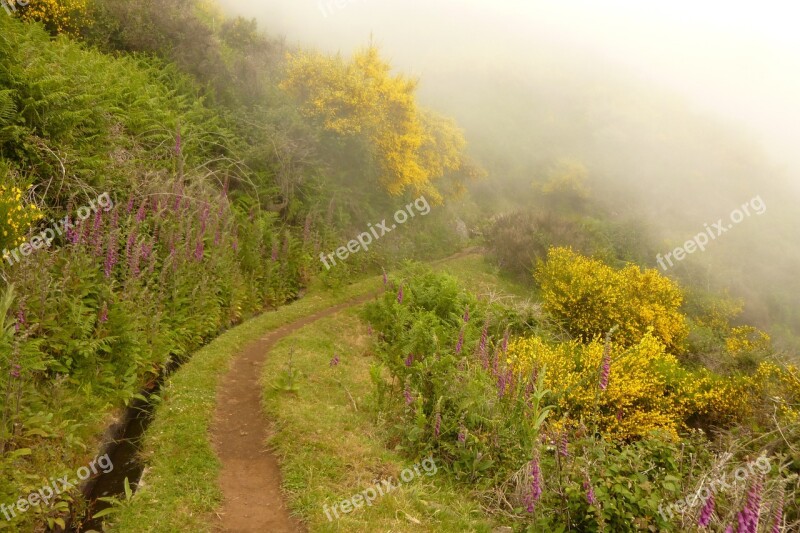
(739, 60)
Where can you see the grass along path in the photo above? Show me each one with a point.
(330, 447)
(179, 490)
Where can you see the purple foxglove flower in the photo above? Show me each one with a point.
(334, 361)
(466, 315)
(199, 249)
(204, 218)
(729, 529)
(147, 249)
(462, 434)
(706, 512)
(104, 313)
(536, 486)
(15, 371)
(98, 221)
(129, 207)
(484, 339)
(460, 343)
(20, 320)
(748, 517)
(85, 233)
(111, 256)
(501, 385)
(562, 444)
(385, 278)
(73, 236)
(217, 236)
(409, 360)
(605, 371)
(132, 254)
(590, 496)
(407, 393)
(140, 214)
(400, 295)
(777, 516)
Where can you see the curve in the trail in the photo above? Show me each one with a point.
(250, 477)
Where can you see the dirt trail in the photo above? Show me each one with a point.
(250, 478)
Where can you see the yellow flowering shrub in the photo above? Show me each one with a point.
(573, 374)
(16, 218)
(59, 16)
(362, 97)
(647, 388)
(778, 387)
(747, 339)
(592, 297)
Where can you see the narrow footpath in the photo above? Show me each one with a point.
(250, 478)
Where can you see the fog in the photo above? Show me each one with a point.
(737, 60)
(681, 111)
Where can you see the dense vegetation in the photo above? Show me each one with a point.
(213, 206)
(596, 433)
(167, 173)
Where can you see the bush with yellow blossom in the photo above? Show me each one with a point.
(58, 16)
(592, 297)
(647, 389)
(16, 217)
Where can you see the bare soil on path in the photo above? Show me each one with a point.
(250, 478)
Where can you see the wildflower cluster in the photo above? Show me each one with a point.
(592, 297)
(16, 216)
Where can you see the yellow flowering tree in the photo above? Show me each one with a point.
(412, 147)
(16, 218)
(591, 298)
(58, 16)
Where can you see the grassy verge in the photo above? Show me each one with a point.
(330, 444)
(482, 277)
(180, 490)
